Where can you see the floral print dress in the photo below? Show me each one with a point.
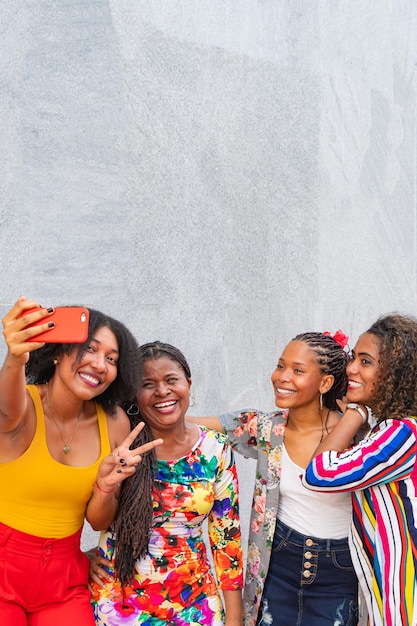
(258, 436)
(174, 583)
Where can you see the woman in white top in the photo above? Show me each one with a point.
(299, 569)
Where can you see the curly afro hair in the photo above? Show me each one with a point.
(395, 390)
(40, 367)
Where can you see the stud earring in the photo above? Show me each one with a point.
(55, 361)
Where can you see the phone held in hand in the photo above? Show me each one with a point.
(71, 325)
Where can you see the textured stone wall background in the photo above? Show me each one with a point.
(219, 174)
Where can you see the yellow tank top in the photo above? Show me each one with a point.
(42, 497)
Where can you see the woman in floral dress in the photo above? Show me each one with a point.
(164, 576)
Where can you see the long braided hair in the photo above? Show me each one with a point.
(135, 515)
(331, 359)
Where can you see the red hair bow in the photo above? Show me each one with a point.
(339, 336)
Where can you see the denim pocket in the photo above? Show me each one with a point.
(278, 544)
(342, 560)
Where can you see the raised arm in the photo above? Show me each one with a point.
(343, 433)
(212, 422)
(114, 468)
(13, 396)
(387, 454)
(241, 427)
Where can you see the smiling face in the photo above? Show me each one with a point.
(363, 369)
(297, 379)
(96, 370)
(164, 395)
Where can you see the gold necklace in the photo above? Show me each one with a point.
(67, 444)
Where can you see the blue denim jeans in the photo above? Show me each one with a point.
(310, 582)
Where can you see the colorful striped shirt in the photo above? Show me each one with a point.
(381, 473)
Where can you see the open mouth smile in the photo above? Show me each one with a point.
(90, 379)
(284, 392)
(165, 406)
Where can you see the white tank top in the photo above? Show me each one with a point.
(322, 515)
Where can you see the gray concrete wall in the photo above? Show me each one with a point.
(217, 174)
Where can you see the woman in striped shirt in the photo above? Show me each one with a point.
(381, 470)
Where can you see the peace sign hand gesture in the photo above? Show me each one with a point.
(122, 461)
(114, 468)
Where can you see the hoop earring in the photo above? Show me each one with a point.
(321, 402)
(133, 410)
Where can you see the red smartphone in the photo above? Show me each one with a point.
(71, 325)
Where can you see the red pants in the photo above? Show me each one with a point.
(43, 582)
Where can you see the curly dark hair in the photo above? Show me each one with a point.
(395, 390)
(40, 367)
(135, 515)
(331, 359)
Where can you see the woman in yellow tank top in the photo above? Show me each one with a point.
(64, 450)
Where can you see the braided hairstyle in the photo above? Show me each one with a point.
(395, 390)
(135, 515)
(331, 359)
